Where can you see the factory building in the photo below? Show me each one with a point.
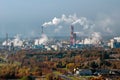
(114, 43)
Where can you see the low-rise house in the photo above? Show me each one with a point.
(83, 72)
(101, 71)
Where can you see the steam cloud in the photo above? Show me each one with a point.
(95, 38)
(17, 42)
(102, 24)
(43, 40)
(70, 20)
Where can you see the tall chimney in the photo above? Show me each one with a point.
(6, 40)
(72, 35)
(42, 30)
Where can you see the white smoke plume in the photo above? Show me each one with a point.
(43, 40)
(17, 42)
(55, 21)
(95, 38)
(70, 20)
(103, 23)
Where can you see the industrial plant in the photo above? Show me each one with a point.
(73, 42)
(59, 40)
(75, 57)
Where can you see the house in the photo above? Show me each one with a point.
(101, 71)
(83, 72)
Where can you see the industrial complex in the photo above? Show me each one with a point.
(45, 44)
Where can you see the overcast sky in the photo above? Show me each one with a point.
(25, 17)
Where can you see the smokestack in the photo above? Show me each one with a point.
(72, 35)
(74, 38)
(6, 40)
(42, 30)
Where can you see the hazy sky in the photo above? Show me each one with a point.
(25, 17)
